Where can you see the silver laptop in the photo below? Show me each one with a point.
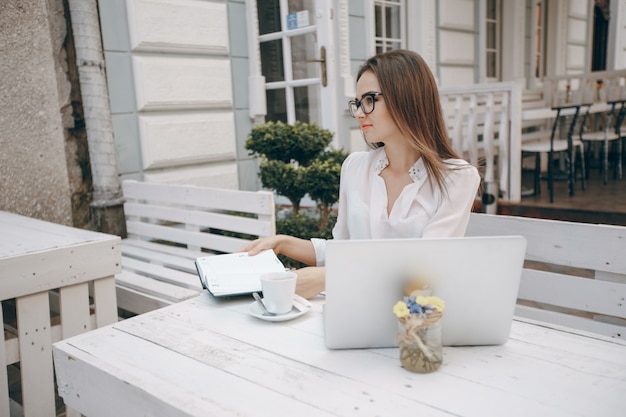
(477, 278)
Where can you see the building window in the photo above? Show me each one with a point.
(492, 47)
(389, 31)
(539, 41)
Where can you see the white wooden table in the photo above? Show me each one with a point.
(542, 113)
(61, 282)
(204, 357)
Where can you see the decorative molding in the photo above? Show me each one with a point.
(169, 83)
(452, 76)
(178, 26)
(184, 139)
(457, 15)
(457, 48)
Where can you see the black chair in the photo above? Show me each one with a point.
(553, 145)
(608, 132)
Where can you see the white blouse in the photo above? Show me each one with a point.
(421, 210)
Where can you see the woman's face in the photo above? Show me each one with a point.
(378, 125)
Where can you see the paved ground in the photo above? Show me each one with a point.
(598, 203)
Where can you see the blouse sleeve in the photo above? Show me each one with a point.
(452, 216)
(319, 246)
(340, 231)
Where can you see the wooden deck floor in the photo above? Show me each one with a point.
(598, 203)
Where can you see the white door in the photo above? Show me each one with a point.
(295, 53)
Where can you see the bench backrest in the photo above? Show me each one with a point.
(197, 218)
(574, 274)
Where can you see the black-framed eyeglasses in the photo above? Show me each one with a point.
(366, 103)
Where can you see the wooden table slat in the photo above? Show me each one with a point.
(4, 382)
(33, 323)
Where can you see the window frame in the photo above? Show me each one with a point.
(381, 43)
(496, 50)
(536, 59)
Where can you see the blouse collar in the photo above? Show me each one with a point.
(416, 172)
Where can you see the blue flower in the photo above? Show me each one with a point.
(414, 308)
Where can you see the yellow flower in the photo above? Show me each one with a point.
(400, 309)
(434, 301)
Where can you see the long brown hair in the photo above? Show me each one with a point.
(412, 97)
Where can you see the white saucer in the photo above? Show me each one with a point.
(256, 311)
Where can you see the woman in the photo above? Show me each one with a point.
(411, 184)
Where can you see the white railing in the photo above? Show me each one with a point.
(590, 87)
(484, 125)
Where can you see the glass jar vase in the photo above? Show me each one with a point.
(420, 343)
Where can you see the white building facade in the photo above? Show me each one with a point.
(188, 79)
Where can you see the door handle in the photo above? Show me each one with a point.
(322, 61)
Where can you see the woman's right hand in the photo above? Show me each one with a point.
(293, 247)
(264, 243)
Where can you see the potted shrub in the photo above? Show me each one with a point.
(296, 160)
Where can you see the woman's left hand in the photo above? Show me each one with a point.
(311, 281)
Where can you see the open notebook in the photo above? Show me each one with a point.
(236, 273)
(477, 277)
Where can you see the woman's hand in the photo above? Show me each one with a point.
(293, 247)
(311, 281)
(264, 243)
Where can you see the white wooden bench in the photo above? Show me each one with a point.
(574, 274)
(169, 226)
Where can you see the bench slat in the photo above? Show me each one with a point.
(580, 245)
(261, 202)
(586, 294)
(138, 301)
(186, 237)
(571, 321)
(202, 219)
(156, 288)
(161, 273)
(185, 264)
(158, 248)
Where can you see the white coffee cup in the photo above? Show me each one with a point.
(278, 291)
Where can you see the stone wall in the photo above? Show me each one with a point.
(33, 169)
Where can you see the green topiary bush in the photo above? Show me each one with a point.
(296, 160)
